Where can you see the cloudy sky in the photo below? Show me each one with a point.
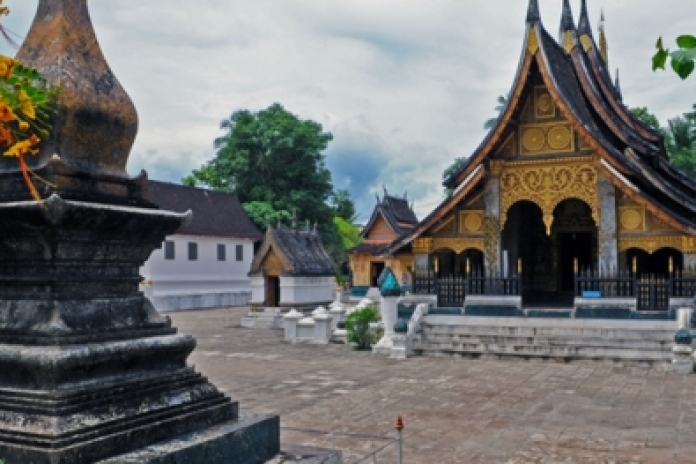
(404, 85)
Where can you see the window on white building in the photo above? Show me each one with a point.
(192, 251)
(239, 252)
(168, 250)
(222, 252)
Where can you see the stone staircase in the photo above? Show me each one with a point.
(618, 342)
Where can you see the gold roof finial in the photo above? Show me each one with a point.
(603, 46)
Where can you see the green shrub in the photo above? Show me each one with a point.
(358, 328)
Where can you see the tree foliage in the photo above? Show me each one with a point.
(451, 170)
(681, 60)
(680, 138)
(502, 102)
(274, 162)
(349, 233)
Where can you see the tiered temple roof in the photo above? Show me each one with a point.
(631, 154)
(393, 212)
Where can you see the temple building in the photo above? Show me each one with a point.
(568, 180)
(392, 218)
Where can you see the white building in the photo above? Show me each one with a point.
(205, 264)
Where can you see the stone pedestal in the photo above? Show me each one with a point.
(399, 347)
(90, 369)
(683, 361)
(290, 321)
(322, 328)
(388, 309)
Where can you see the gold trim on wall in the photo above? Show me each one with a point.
(632, 218)
(542, 138)
(471, 221)
(544, 106)
(651, 244)
(444, 224)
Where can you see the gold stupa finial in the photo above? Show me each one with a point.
(603, 46)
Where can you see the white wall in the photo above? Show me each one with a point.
(206, 275)
(304, 290)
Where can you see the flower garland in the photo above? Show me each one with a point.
(25, 109)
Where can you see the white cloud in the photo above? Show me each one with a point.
(404, 86)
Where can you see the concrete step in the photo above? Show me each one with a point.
(485, 339)
(618, 342)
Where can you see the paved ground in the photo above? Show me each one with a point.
(455, 410)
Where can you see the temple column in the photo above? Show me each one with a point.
(491, 225)
(689, 260)
(607, 250)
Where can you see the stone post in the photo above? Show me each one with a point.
(322, 328)
(607, 253)
(290, 321)
(338, 314)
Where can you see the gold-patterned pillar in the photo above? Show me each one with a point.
(491, 225)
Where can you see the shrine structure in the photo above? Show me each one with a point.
(569, 195)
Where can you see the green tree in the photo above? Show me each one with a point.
(274, 162)
(343, 205)
(350, 234)
(681, 60)
(358, 329)
(451, 170)
(490, 123)
(680, 138)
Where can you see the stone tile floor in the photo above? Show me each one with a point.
(455, 410)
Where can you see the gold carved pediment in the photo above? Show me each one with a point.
(548, 184)
(632, 218)
(556, 137)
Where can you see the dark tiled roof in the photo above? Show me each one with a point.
(301, 252)
(396, 211)
(215, 214)
(374, 248)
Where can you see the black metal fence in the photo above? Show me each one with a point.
(452, 289)
(652, 292)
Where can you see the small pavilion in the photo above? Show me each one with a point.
(292, 270)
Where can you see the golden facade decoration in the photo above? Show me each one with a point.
(423, 245)
(491, 230)
(537, 139)
(548, 185)
(651, 244)
(532, 42)
(470, 222)
(508, 147)
(586, 42)
(544, 106)
(568, 41)
(632, 218)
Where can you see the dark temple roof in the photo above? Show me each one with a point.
(396, 212)
(215, 214)
(300, 251)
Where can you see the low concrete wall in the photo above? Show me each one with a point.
(214, 300)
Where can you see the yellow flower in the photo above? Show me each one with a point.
(6, 113)
(23, 126)
(26, 105)
(20, 149)
(6, 65)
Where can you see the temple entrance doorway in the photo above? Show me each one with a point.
(446, 262)
(376, 269)
(272, 291)
(548, 262)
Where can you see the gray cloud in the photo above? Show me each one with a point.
(404, 86)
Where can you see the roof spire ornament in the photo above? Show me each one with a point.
(566, 33)
(533, 15)
(603, 46)
(294, 219)
(584, 29)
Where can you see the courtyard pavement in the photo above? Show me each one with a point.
(454, 410)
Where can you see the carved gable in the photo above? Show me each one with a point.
(380, 231)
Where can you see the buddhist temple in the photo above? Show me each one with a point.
(568, 186)
(391, 218)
